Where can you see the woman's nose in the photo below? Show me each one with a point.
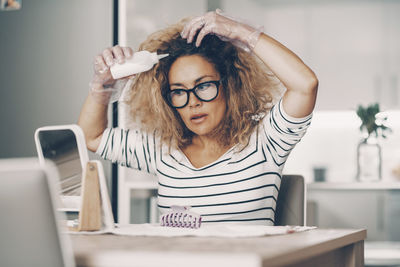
(193, 100)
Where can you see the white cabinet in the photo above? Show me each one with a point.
(374, 206)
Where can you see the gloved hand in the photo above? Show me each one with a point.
(103, 87)
(225, 27)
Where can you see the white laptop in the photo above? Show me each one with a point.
(30, 234)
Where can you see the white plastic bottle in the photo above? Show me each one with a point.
(140, 62)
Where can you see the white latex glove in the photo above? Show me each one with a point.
(103, 87)
(225, 27)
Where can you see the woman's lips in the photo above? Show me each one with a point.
(198, 118)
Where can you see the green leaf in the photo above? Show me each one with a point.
(368, 120)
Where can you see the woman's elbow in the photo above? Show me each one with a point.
(310, 85)
(93, 144)
(313, 84)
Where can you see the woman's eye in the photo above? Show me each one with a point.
(204, 86)
(177, 92)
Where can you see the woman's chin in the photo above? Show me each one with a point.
(201, 131)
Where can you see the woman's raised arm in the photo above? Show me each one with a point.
(300, 81)
(298, 78)
(93, 116)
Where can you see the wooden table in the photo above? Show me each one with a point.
(318, 247)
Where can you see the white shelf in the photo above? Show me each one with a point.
(354, 186)
(382, 253)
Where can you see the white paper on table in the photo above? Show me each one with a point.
(226, 230)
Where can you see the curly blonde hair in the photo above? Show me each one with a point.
(250, 88)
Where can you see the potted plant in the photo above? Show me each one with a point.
(369, 152)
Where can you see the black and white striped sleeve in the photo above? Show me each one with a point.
(282, 132)
(130, 148)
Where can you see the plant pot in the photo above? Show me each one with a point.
(369, 160)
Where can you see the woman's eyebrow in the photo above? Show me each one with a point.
(202, 77)
(196, 81)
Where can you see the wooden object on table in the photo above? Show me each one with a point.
(90, 212)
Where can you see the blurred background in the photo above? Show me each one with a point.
(46, 53)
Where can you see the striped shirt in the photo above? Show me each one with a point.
(241, 186)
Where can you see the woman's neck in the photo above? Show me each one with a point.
(204, 150)
(211, 144)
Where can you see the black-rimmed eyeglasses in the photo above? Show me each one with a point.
(205, 91)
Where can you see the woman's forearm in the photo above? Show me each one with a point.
(93, 117)
(300, 81)
(286, 65)
(93, 121)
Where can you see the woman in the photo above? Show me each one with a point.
(210, 127)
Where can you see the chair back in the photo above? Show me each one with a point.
(290, 206)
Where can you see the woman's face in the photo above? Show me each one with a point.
(185, 73)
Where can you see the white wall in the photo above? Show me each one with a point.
(353, 45)
(46, 53)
